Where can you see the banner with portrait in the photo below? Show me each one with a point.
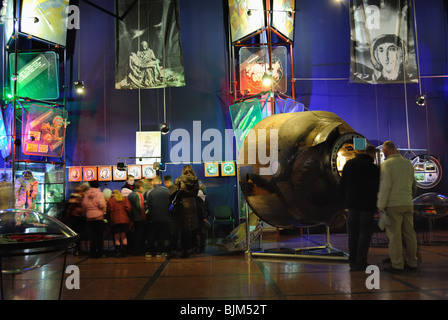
(148, 45)
(382, 46)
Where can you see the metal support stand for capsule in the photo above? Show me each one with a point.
(323, 252)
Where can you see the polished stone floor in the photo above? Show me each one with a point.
(215, 275)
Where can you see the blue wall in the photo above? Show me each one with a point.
(103, 122)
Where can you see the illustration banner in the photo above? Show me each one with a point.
(382, 42)
(148, 45)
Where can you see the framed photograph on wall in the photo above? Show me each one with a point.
(104, 173)
(89, 173)
(148, 147)
(211, 169)
(119, 175)
(75, 174)
(135, 170)
(148, 171)
(228, 169)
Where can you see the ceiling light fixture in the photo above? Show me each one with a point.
(79, 86)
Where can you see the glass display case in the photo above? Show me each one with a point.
(30, 239)
(50, 179)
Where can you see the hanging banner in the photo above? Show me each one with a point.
(148, 45)
(382, 42)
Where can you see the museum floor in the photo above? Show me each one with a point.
(220, 276)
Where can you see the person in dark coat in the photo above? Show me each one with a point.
(137, 217)
(75, 217)
(168, 182)
(158, 219)
(360, 184)
(188, 222)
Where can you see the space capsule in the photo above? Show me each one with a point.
(299, 187)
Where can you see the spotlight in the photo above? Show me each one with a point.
(267, 79)
(121, 166)
(421, 100)
(164, 128)
(79, 86)
(160, 166)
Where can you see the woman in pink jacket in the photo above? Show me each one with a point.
(94, 205)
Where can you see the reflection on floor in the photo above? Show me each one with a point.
(218, 276)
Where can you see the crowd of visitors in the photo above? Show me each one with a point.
(138, 217)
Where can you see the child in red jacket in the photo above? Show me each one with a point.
(118, 208)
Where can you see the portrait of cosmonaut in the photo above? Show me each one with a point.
(135, 171)
(389, 58)
(148, 172)
(119, 174)
(382, 42)
(105, 174)
(89, 174)
(74, 174)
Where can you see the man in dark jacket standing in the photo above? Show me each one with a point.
(158, 219)
(359, 184)
(137, 216)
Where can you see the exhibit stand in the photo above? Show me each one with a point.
(34, 117)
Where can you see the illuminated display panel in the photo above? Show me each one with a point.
(283, 17)
(52, 24)
(5, 131)
(9, 20)
(427, 171)
(246, 17)
(245, 116)
(44, 131)
(254, 65)
(37, 75)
